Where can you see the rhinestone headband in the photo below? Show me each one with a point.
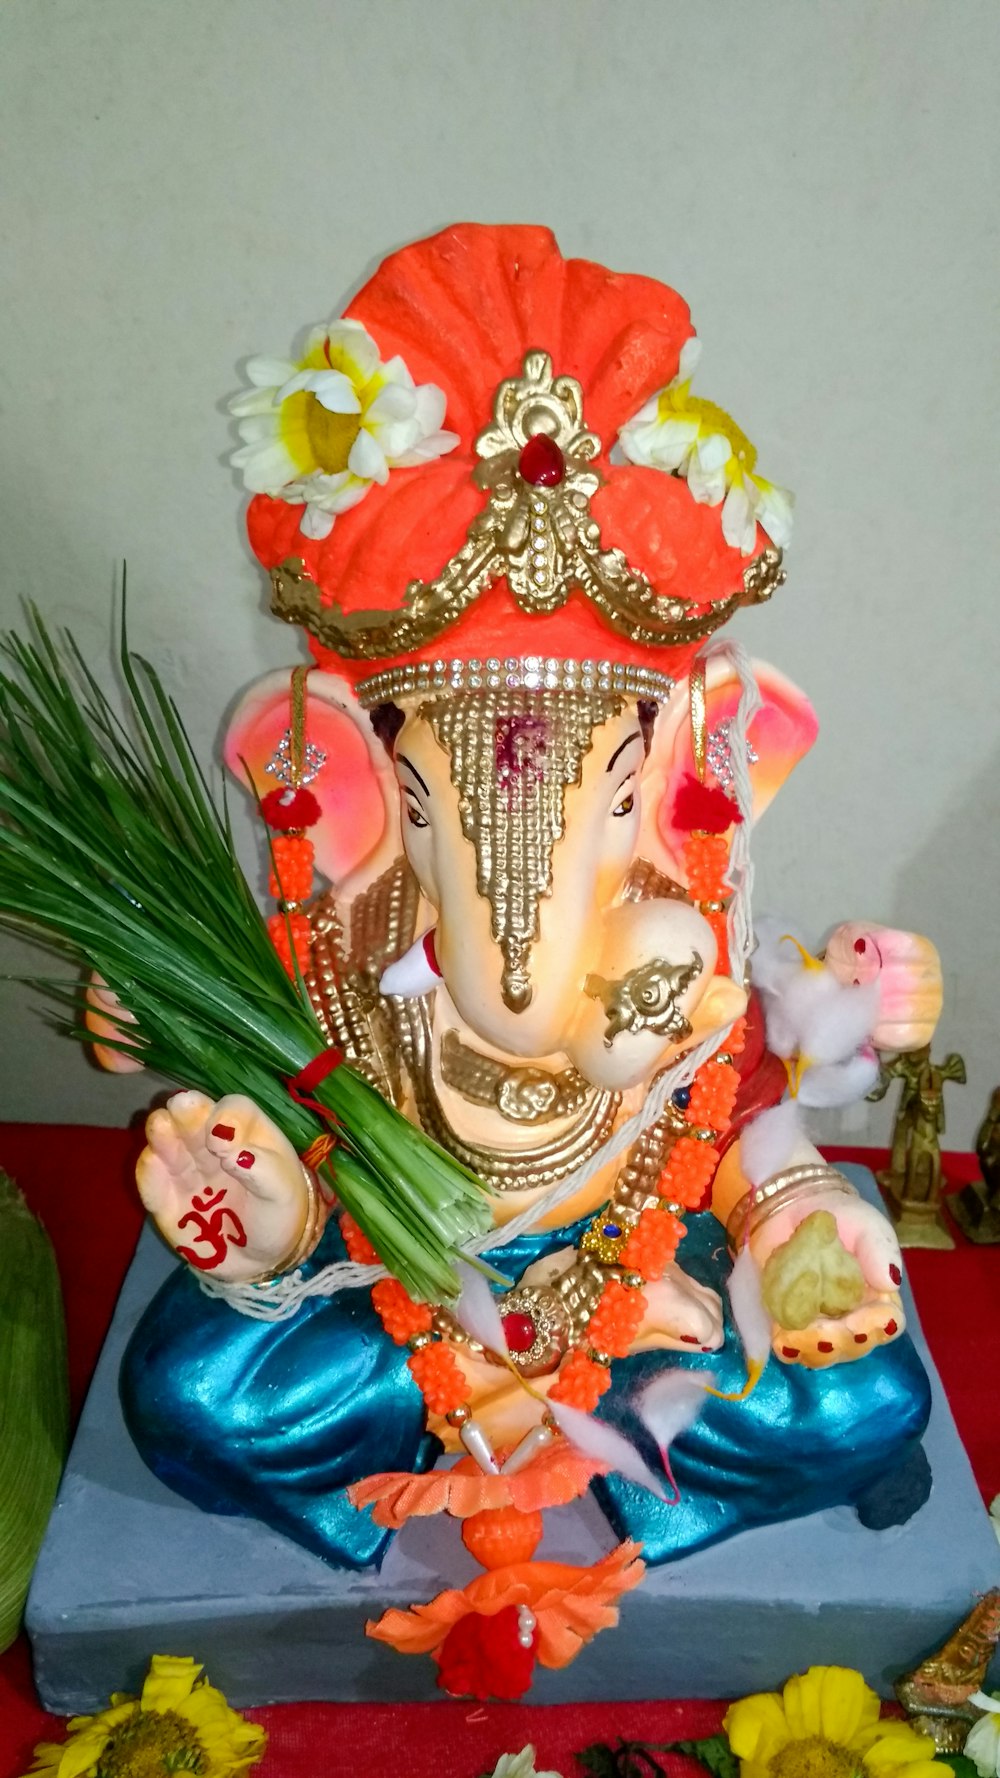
(530, 672)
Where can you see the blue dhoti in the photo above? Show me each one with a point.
(276, 1420)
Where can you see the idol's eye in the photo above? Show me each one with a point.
(626, 805)
(414, 813)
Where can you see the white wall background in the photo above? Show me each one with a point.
(183, 184)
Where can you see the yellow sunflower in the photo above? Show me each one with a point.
(180, 1724)
(825, 1724)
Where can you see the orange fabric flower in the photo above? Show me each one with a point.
(570, 1605)
(559, 1474)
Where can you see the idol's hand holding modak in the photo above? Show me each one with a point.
(226, 1189)
(830, 1270)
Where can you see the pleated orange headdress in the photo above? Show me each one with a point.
(490, 471)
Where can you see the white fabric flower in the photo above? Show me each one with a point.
(683, 435)
(982, 1743)
(519, 1765)
(320, 432)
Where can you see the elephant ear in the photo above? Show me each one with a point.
(355, 787)
(782, 731)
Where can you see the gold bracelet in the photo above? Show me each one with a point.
(782, 1189)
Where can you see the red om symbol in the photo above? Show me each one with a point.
(211, 1229)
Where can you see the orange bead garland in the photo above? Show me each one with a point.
(399, 1314)
(616, 1320)
(359, 1248)
(706, 861)
(437, 1374)
(713, 1094)
(581, 1382)
(288, 933)
(690, 1169)
(292, 857)
(652, 1244)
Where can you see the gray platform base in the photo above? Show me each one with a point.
(129, 1569)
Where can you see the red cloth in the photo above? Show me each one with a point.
(79, 1181)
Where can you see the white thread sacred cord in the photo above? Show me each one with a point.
(281, 1298)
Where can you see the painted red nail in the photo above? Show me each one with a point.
(789, 1352)
(895, 1274)
(861, 1339)
(707, 1348)
(824, 1345)
(244, 1158)
(891, 1327)
(225, 1132)
(690, 1339)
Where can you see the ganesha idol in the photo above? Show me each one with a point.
(526, 779)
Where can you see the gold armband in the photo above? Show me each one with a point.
(782, 1189)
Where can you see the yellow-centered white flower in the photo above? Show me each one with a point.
(319, 432)
(683, 435)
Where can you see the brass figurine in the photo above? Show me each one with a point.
(976, 1209)
(912, 1181)
(936, 1694)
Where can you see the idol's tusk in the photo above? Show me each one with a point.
(415, 972)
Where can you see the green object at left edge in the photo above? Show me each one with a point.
(34, 1399)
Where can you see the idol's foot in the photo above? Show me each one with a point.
(681, 1316)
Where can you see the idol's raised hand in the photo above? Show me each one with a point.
(226, 1189)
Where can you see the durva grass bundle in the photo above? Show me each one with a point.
(34, 1404)
(115, 854)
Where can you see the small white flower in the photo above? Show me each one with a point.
(320, 432)
(519, 1765)
(683, 435)
(982, 1743)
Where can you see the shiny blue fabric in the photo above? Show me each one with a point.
(804, 1440)
(275, 1420)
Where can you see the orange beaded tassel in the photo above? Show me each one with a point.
(290, 811)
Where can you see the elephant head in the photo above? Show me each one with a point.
(538, 824)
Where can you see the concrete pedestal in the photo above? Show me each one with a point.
(129, 1569)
